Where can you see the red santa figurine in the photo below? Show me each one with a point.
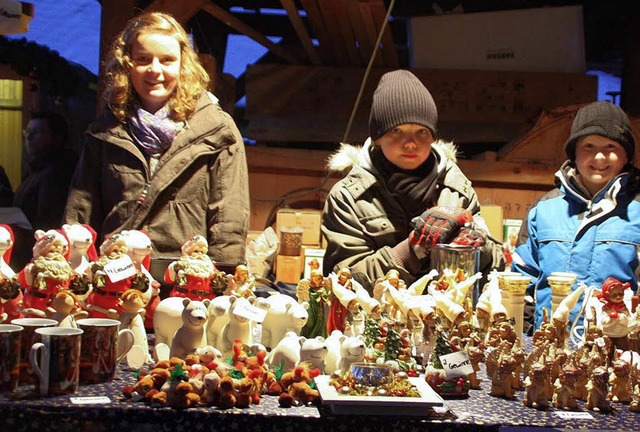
(48, 273)
(193, 272)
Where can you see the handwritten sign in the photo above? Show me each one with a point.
(456, 364)
(120, 269)
(250, 312)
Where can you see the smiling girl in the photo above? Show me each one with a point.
(164, 157)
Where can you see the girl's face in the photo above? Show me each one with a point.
(156, 69)
(599, 159)
(406, 146)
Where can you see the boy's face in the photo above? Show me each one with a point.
(406, 146)
(598, 160)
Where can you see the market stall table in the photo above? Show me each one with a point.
(26, 411)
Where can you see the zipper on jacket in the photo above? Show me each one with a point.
(143, 195)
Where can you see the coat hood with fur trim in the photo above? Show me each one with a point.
(348, 155)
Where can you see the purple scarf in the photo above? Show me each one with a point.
(154, 133)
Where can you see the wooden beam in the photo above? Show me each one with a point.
(181, 10)
(305, 103)
(315, 18)
(371, 30)
(301, 31)
(330, 19)
(233, 22)
(313, 163)
(346, 31)
(389, 52)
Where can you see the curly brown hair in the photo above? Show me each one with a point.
(119, 92)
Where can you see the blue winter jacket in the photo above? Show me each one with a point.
(566, 231)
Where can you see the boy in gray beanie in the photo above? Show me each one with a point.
(589, 224)
(404, 192)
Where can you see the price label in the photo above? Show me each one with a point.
(120, 269)
(89, 400)
(574, 415)
(456, 364)
(252, 313)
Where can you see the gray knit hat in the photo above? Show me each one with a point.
(401, 98)
(605, 119)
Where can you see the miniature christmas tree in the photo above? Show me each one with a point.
(442, 347)
(392, 345)
(372, 332)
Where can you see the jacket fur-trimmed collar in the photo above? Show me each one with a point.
(348, 155)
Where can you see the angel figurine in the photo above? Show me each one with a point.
(343, 300)
(314, 291)
(242, 284)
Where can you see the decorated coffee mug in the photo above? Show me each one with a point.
(10, 337)
(103, 348)
(29, 337)
(56, 360)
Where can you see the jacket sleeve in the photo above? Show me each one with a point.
(228, 208)
(83, 201)
(349, 244)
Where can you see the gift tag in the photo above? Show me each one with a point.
(120, 269)
(250, 312)
(89, 400)
(456, 364)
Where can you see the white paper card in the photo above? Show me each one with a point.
(574, 415)
(88, 400)
(120, 269)
(250, 312)
(456, 364)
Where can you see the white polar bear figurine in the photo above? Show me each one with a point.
(314, 351)
(167, 319)
(342, 350)
(191, 335)
(284, 314)
(238, 327)
(287, 352)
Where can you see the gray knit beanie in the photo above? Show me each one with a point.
(401, 98)
(605, 119)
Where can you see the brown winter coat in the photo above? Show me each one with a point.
(200, 185)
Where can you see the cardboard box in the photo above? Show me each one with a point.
(311, 254)
(288, 268)
(308, 219)
(511, 230)
(511, 40)
(492, 215)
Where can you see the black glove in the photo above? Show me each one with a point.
(468, 236)
(437, 225)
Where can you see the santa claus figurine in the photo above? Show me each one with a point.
(48, 273)
(192, 274)
(112, 274)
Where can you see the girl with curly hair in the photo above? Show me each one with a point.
(164, 157)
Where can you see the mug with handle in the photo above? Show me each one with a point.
(56, 360)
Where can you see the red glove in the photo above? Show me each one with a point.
(470, 237)
(438, 225)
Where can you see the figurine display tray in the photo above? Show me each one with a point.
(379, 405)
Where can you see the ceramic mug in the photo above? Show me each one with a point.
(10, 338)
(29, 337)
(104, 346)
(56, 360)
